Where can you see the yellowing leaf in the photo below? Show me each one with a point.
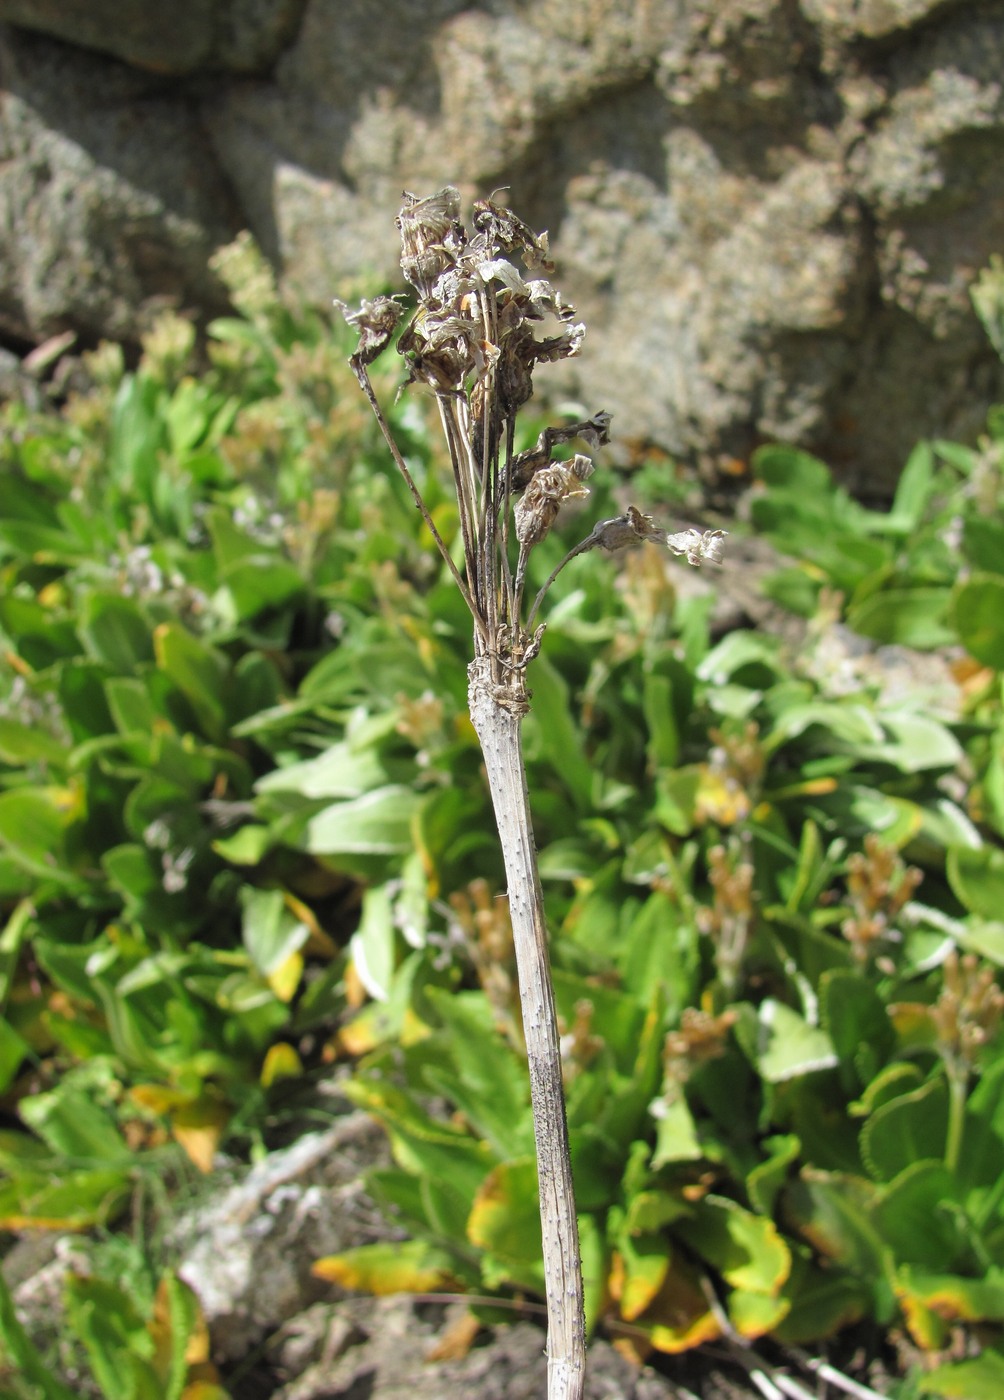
(158, 1098)
(412, 1266)
(505, 1221)
(755, 1314)
(281, 1062)
(746, 1249)
(284, 979)
(639, 1271)
(198, 1128)
(320, 943)
(929, 1301)
(679, 1317)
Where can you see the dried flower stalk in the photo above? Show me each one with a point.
(480, 327)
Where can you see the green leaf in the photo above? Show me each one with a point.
(985, 937)
(378, 823)
(821, 1303)
(914, 1216)
(659, 951)
(13, 1049)
(73, 1126)
(21, 744)
(977, 879)
(983, 543)
(17, 930)
(505, 1221)
(833, 1211)
(119, 1347)
(978, 615)
(33, 823)
(372, 946)
(982, 1377)
(343, 770)
(177, 1303)
(199, 672)
(744, 1248)
(132, 706)
(768, 1177)
(552, 732)
(781, 1043)
(491, 1080)
(856, 1019)
(76, 1200)
(916, 743)
(910, 617)
(248, 846)
(950, 1297)
(890, 1083)
(987, 294)
(914, 489)
(256, 585)
(594, 1257)
(269, 930)
(850, 723)
(667, 697)
(910, 1128)
(676, 799)
(982, 1151)
(778, 465)
(676, 1137)
(40, 638)
(115, 631)
(422, 1145)
(645, 1258)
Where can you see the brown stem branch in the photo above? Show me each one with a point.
(402, 466)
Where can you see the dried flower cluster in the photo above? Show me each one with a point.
(699, 1038)
(480, 327)
(968, 1013)
(729, 919)
(480, 921)
(879, 886)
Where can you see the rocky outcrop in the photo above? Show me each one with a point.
(768, 211)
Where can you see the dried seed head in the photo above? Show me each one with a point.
(376, 321)
(537, 508)
(625, 530)
(501, 228)
(432, 237)
(699, 546)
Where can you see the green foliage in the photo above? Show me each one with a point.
(159, 1354)
(242, 813)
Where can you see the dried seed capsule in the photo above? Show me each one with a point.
(431, 237)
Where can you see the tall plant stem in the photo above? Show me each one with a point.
(497, 714)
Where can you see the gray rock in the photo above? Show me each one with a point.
(248, 1252)
(109, 205)
(769, 214)
(243, 35)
